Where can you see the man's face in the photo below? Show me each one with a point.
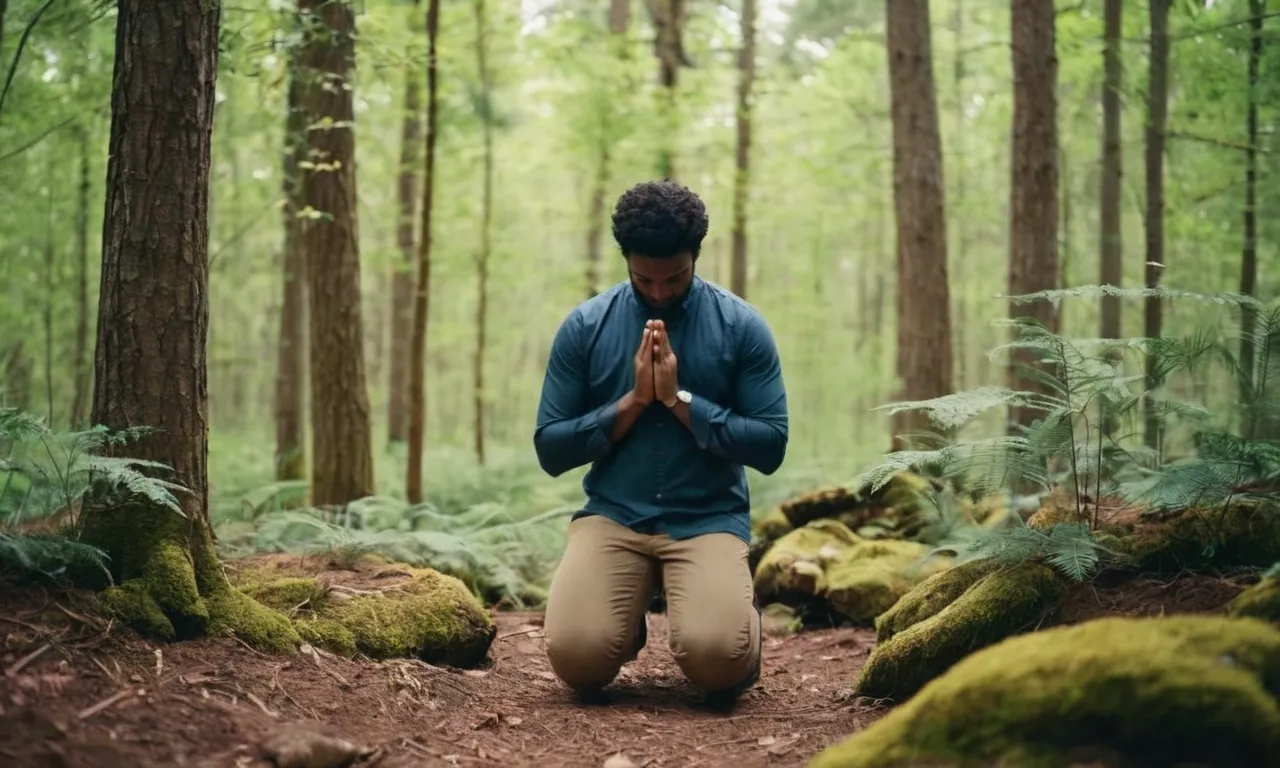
(661, 282)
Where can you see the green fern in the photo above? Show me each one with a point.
(1068, 547)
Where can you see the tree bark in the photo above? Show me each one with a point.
(619, 20)
(83, 370)
(486, 216)
(924, 361)
(1157, 118)
(742, 177)
(422, 284)
(1109, 197)
(342, 453)
(1033, 204)
(291, 354)
(668, 19)
(1249, 253)
(153, 325)
(402, 281)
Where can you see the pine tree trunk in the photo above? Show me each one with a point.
(1157, 118)
(1249, 253)
(342, 451)
(1109, 198)
(291, 358)
(486, 216)
(1033, 204)
(742, 176)
(668, 20)
(153, 323)
(924, 363)
(422, 285)
(83, 370)
(402, 281)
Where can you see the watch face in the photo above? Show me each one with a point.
(684, 396)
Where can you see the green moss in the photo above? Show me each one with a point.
(287, 594)
(235, 613)
(1185, 690)
(1260, 601)
(866, 580)
(1244, 534)
(793, 568)
(433, 617)
(1006, 601)
(132, 603)
(930, 596)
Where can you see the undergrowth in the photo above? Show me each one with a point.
(45, 476)
(1091, 398)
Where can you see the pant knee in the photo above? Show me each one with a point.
(584, 661)
(715, 660)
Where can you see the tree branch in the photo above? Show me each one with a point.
(1216, 142)
(17, 55)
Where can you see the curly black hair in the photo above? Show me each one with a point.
(659, 219)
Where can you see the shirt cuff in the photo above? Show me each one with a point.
(602, 436)
(702, 413)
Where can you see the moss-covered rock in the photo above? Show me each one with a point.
(288, 594)
(793, 571)
(428, 615)
(867, 579)
(930, 596)
(1186, 690)
(825, 567)
(1005, 602)
(1058, 507)
(1260, 601)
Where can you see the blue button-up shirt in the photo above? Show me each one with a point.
(663, 476)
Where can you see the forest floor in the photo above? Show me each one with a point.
(77, 692)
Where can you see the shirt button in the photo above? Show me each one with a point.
(659, 496)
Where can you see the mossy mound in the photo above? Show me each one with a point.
(1058, 507)
(1260, 601)
(1008, 600)
(1244, 534)
(1187, 690)
(868, 579)
(827, 569)
(930, 596)
(378, 609)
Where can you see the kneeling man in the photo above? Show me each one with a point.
(669, 386)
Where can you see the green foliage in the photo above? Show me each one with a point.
(46, 478)
(1084, 437)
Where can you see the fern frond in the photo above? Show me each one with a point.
(1072, 550)
(957, 409)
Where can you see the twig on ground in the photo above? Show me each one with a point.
(517, 633)
(268, 712)
(89, 712)
(25, 660)
(21, 623)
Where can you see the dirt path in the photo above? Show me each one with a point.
(94, 696)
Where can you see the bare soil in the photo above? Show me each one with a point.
(80, 692)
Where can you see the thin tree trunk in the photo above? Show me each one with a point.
(1109, 198)
(742, 177)
(1033, 204)
(402, 281)
(668, 19)
(619, 21)
(422, 286)
(1249, 254)
(486, 216)
(1157, 118)
(924, 361)
(48, 298)
(291, 352)
(83, 370)
(342, 453)
(961, 348)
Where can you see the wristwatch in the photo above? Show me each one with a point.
(683, 396)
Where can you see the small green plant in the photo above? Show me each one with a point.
(45, 478)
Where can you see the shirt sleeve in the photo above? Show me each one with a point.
(755, 433)
(569, 434)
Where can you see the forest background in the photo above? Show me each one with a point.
(547, 111)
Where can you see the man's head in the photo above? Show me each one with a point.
(659, 227)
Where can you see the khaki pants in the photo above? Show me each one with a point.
(602, 588)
